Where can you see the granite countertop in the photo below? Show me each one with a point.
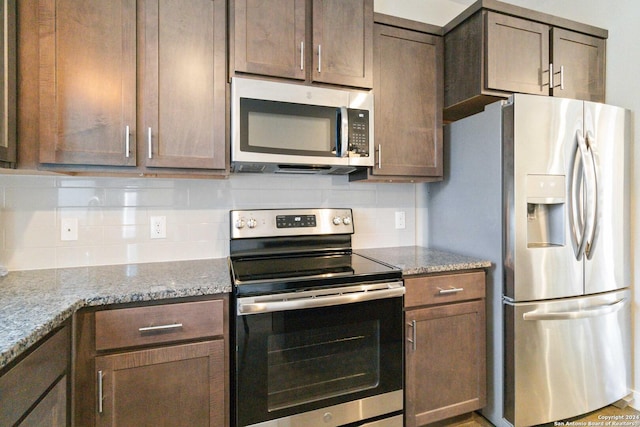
(421, 260)
(33, 303)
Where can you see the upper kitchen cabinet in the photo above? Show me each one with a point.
(269, 37)
(494, 49)
(135, 84)
(408, 82)
(8, 84)
(326, 41)
(87, 82)
(579, 65)
(182, 57)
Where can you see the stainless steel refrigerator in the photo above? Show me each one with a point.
(540, 186)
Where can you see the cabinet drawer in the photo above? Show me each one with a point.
(130, 327)
(447, 288)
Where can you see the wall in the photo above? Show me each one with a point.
(113, 215)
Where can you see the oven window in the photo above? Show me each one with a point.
(315, 364)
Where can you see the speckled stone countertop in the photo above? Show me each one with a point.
(420, 260)
(33, 303)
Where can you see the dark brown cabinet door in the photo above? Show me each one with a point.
(167, 386)
(34, 391)
(8, 92)
(52, 409)
(408, 84)
(269, 37)
(517, 55)
(342, 42)
(579, 65)
(445, 361)
(183, 97)
(87, 82)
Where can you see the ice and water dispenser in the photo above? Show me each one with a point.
(546, 206)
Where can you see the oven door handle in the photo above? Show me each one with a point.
(318, 301)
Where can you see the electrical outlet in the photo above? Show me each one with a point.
(158, 228)
(69, 229)
(400, 221)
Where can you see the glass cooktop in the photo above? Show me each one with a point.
(273, 274)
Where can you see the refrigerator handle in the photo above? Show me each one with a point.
(599, 310)
(576, 207)
(592, 234)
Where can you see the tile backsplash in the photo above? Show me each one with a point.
(113, 215)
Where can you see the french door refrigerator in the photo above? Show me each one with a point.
(540, 186)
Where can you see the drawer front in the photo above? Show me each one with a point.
(129, 327)
(443, 289)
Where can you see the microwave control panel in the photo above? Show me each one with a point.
(358, 132)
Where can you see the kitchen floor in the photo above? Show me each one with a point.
(477, 420)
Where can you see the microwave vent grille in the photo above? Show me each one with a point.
(250, 168)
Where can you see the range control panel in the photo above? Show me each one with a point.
(247, 224)
(296, 221)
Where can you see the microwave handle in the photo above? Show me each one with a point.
(342, 149)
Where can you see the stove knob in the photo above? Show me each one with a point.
(251, 223)
(240, 223)
(337, 220)
(346, 220)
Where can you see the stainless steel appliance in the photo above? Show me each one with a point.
(292, 128)
(540, 185)
(318, 330)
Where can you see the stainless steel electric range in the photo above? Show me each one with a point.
(318, 328)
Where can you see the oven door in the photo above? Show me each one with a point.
(320, 365)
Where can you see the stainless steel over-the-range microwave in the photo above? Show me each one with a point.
(294, 128)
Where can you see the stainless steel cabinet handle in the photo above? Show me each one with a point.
(127, 142)
(450, 290)
(414, 335)
(301, 56)
(596, 311)
(100, 393)
(160, 327)
(319, 58)
(149, 142)
(379, 156)
(551, 77)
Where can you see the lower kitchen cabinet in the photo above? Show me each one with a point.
(176, 385)
(34, 391)
(445, 346)
(153, 365)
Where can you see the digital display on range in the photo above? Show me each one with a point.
(295, 221)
